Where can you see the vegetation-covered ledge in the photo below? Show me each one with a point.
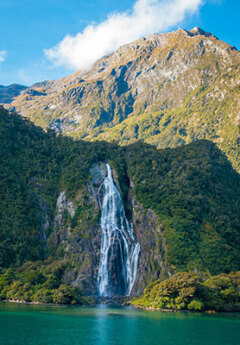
(189, 291)
(40, 282)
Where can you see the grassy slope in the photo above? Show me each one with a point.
(208, 112)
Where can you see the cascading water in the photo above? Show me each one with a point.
(119, 250)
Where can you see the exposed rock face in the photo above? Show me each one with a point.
(167, 89)
(152, 263)
(62, 205)
(32, 92)
(77, 234)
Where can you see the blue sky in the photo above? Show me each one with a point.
(34, 46)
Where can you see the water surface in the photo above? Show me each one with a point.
(109, 325)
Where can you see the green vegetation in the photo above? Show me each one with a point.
(34, 168)
(188, 291)
(195, 193)
(193, 190)
(41, 281)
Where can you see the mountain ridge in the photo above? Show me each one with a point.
(167, 89)
(8, 93)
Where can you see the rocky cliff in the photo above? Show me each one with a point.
(77, 237)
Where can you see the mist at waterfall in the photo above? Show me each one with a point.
(119, 249)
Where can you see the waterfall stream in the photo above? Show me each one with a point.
(119, 249)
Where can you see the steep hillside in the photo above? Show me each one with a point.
(8, 93)
(183, 204)
(167, 89)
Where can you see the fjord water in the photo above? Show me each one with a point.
(105, 325)
(119, 249)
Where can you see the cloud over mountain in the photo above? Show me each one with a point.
(146, 17)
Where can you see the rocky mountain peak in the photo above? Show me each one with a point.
(199, 31)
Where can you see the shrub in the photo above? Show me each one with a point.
(196, 305)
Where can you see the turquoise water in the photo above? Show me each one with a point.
(105, 325)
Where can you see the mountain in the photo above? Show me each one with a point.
(8, 93)
(167, 89)
(183, 204)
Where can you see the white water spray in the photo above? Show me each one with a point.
(116, 233)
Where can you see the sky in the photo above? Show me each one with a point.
(49, 39)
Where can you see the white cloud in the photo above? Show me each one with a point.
(146, 17)
(3, 54)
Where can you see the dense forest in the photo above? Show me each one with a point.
(193, 190)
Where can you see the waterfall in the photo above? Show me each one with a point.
(119, 249)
